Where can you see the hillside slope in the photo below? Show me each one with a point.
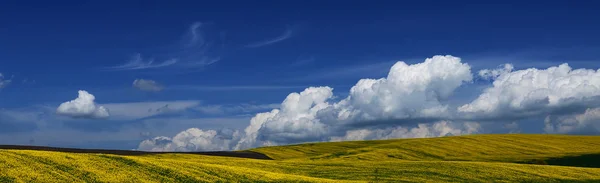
(475, 158)
(496, 148)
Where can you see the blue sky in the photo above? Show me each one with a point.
(244, 58)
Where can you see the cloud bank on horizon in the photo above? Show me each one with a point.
(411, 102)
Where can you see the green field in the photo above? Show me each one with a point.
(472, 158)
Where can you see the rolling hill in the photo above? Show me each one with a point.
(472, 158)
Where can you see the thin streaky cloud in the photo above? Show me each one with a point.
(286, 35)
(199, 51)
(195, 50)
(195, 35)
(137, 63)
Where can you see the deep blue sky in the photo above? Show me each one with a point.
(65, 46)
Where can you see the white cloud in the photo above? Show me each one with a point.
(376, 108)
(192, 139)
(534, 92)
(147, 85)
(82, 107)
(494, 73)
(412, 102)
(295, 121)
(408, 93)
(585, 123)
(438, 129)
(3, 82)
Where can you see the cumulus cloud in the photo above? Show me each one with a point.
(584, 123)
(295, 121)
(409, 91)
(3, 82)
(192, 139)
(412, 102)
(82, 107)
(534, 92)
(494, 73)
(410, 95)
(438, 129)
(147, 85)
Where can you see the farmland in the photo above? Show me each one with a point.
(472, 158)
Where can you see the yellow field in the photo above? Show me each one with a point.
(473, 158)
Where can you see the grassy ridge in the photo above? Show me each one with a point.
(477, 158)
(496, 148)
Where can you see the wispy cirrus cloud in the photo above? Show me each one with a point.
(285, 35)
(137, 62)
(200, 46)
(195, 50)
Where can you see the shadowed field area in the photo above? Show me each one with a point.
(586, 160)
(473, 158)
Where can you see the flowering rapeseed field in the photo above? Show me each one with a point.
(473, 158)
